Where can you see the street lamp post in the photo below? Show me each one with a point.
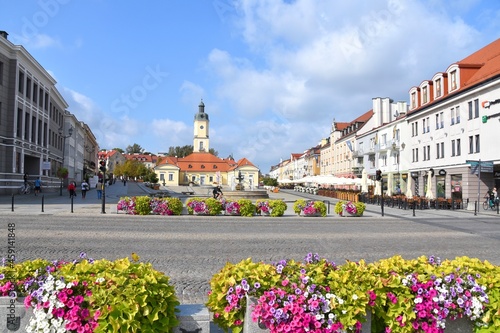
(70, 133)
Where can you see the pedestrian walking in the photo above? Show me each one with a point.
(38, 186)
(85, 188)
(99, 190)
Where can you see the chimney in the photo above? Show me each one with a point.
(4, 34)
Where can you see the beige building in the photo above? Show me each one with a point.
(202, 168)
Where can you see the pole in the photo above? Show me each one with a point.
(72, 203)
(382, 200)
(43, 197)
(103, 208)
(479, 187)
(12, 202)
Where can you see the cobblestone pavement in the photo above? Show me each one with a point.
(190, 249)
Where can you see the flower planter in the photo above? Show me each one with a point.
(265, 213)
(311, 215)
(249, 326)
(347, 214)
(459, 325)
(13, 315)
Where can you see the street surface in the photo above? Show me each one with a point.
(190, 249)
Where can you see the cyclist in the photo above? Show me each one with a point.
(72, 189)
(490, 195)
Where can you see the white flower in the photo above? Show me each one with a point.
(354, 297)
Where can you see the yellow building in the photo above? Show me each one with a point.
(203, 168)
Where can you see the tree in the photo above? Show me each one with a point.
(121, 151)
(186, 150)
(134, 149)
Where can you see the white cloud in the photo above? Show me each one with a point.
(322, 59)
(36, 41)
(175, 133)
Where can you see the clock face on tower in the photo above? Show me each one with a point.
(201, 127)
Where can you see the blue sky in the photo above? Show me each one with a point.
(273, 74)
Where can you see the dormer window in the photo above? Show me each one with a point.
(215, 166)
(413, 100)
(438, 87)
(190, 166)
(453, 76)
(424, 95)
(202, 166)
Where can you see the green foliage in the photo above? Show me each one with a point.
(175, 205)
(228, 277)
(62, 173)
(134, 149)
(247, 208)
(142, 205)
(132, 296)
(278, 207)
(339, 207)
(360, 207)
(268, 181)
(321, 207)
(354, 283)
(214, 206)
(298, 204)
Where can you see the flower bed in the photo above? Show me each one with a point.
(349, 208)
(270, 207)
(92, 296)
(309, 208)
(144, 205)
(419, 295)
(204, 206)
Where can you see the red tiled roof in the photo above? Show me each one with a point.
(478, 67)
(486, 61)
(204, 162)
(141, 157)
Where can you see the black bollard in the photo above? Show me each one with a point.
(497, 206)
(72, 203)
(475, 208)
(413, 209)
(12, 202)
(43, 197)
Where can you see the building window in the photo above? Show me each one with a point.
(470, 110)
(457, 114)
(415, 154)
(384, 160)
(20, 87)
(437, 121)
(35, 93)
(28, 88)
(458, 147)
(453, 75)
(424, 95)
(452, 116)
(442, 149)
(441, 119)
(477, 144)
(437, 150)
(452, 147)
(170, 177)
(471, 144)
(423, 125)
(476, 108)
(413, 100)
(438, 87)
(1, 73)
